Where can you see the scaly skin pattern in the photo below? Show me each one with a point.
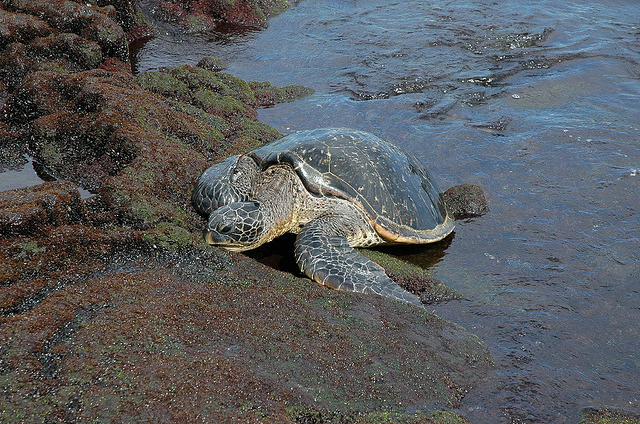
(328, 230)
(225, 182)
(325, 255)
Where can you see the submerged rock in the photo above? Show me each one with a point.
(466, 201)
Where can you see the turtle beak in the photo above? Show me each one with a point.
(213, 237)
(208, 237)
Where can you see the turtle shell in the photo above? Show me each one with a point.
(389, 184)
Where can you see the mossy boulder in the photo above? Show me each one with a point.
(138, 142)
(61, 35)
(28, 211)
(130, 17)
(466, 201)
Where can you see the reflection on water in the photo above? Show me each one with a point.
(538, 103)
(25, 172)
(21, 174)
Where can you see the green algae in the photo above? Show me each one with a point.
(412, 277)
(308, 415)
(608, 416)
(210, 100)
(32, 247)
(278, 7)
(162, 83)
(170, 236)
(269, 94)
(198, 23)
(251, 135)
(52, 154)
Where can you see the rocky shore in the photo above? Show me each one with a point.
(112, 309)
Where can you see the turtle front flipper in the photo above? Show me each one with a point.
(325, 256)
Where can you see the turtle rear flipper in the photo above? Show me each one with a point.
(325, 256)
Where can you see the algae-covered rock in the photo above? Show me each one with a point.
(65, 36)
(27, 211)
(21, 28)
(268, 95)
(158, 333)
(413, 278)
(608, 416)
(130, 17)
(89, 21)
(196, 15)
(212, 63)
(465, 201)
(310, 415)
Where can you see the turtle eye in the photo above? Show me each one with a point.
(224, 227)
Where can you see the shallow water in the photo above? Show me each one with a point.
(539, 103)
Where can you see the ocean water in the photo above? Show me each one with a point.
(537, 102)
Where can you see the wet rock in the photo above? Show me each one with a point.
(466, 201)
(73, 123)
(56, 35)
(54, 259)
(79, 53)
(130, 17)
(91, 22)
(413, 278)
(220, 94)
(141, 141)
(268, 95)
(175, 331)
(27, 211)
(21, 28)
(608, 416)
(214, 64)
(203, 14)
(216, 92)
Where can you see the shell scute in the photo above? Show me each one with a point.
(389, 184)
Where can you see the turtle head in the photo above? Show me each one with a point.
(225, 182)
(237, 226)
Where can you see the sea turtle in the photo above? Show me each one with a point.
(337, 189)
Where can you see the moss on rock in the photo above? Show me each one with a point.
(268, 95)
(413, 278)
(201, 339)
(237, 12)
(56, 34)
(466, 201)
(28, 211)
(608, 416)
